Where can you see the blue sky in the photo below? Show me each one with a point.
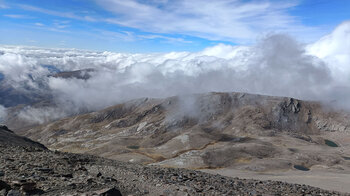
(163, 25)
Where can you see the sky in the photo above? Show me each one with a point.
(146, 26)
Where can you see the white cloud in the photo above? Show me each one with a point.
(334, 49)
(41, 115)
(277, 65)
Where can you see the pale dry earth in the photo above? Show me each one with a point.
(318, 177)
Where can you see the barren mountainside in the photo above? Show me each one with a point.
(209, 131)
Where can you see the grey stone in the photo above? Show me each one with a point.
(3, 192)
(28, 186)
(109, 192)
(14, 193)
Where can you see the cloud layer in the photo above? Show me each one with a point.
(277, 65)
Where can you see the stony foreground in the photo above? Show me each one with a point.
(38, 171)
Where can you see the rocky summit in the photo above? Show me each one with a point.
(28, 168)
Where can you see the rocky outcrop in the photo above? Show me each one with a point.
(9, 138)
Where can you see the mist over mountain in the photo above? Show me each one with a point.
(278, 65)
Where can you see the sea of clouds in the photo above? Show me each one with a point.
(277, 65)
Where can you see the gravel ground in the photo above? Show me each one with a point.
(38, 171)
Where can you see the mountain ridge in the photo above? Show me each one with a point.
(143, 126)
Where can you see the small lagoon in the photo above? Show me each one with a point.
(330, 143)
(300, 167)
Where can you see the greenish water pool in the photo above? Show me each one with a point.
(330, 143)
(300, 167)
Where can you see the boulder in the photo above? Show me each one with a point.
(109, 192)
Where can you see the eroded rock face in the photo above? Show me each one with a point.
(211, 130)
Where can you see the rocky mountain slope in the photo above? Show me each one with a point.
(215, 130)
(31, 169)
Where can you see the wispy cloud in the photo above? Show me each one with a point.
(131, 36)
(224, 20)
(18, 16)
(3, 6)
(230, 20)
(166, 38)
(116, 35)
(32, 41)
(62, 43)
(61, 24)
(57, 30)
(56, 13)
(56, 26)
(39, 24)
